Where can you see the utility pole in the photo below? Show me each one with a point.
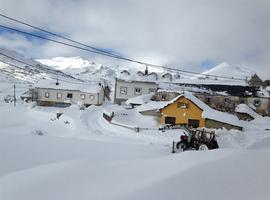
(14, 95)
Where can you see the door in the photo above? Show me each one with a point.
(170, 120)
(194, 123)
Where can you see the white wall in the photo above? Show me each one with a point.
(145, 86)
(76, 96)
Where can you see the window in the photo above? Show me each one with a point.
(182, 105)
(138, 91)
(163, 97)
(226, 100)
(69, 95)
(92, 97)
(123, 90)
(242, 101)
(257, 102)
(59, 95)
(170, 120)
(194, 123)
(82, 96)
(208, 99)
(47, 94)
(151, 90)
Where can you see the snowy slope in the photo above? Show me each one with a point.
(88, 158)
(17, 67)
(63, 63)
(225, 69)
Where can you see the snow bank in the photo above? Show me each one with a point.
(221, 174)
(142, 99)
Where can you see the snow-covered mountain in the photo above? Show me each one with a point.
(64, 63)
(15, 68)
(225, 69)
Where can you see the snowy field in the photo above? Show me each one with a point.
(82, 156)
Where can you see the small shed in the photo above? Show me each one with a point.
(244, 112)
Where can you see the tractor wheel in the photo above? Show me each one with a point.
(181, 145)
(203, 147)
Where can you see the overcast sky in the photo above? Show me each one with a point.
(189, 34)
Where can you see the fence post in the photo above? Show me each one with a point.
(173, 150)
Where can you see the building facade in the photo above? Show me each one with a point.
(125, 89)
(47, 93)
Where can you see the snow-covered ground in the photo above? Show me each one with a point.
(82, 156)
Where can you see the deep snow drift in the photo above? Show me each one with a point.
(82, 156)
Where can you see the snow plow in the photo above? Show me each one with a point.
(196, 139)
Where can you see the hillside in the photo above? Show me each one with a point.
(225, 69)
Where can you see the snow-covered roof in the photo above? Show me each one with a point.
(83, 87)
(142, 99)
(208, 112)
(151, 81)
(243, 108)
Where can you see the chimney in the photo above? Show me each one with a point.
(146, 70)
(57, 83)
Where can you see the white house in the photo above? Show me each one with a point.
(126, 89)
(167, 76)
(54, 93)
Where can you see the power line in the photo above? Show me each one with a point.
(97, 50)
(57, 35)
(29, 70)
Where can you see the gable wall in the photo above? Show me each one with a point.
(182, 115)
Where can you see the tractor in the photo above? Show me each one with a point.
(196, 139)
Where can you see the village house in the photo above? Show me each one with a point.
(255, 81)
(153, 75)
(126, 89)
(167, 77)
(186, 109)
(224, 101)
(125, 72)
(62, 94)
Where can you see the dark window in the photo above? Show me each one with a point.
(138, 91)
(257, 102)
(163, 97)
(69, 95)
(242, 101)
(151, 90)
(226, 100)
(194, 123)
(123, 90)
(208, 99)
(170, 120)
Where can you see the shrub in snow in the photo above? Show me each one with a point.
(9, 98)
(81, 105)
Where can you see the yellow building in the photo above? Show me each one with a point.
(186, 109)
(182, 111)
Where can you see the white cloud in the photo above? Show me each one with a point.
(180, 33)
